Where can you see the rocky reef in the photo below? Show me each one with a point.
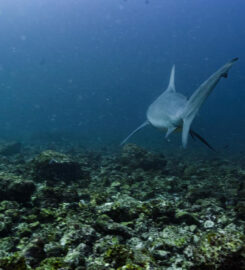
(130, 210)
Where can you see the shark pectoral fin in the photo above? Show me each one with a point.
(169, 131)
(171, 85)
(133, 132)
(203, 91)
(199, 96)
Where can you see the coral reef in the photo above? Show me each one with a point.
(131, 210)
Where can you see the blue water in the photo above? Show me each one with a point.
(90, 68)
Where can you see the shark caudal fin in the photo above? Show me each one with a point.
(199, 96)
(133, 132)
(196, 135)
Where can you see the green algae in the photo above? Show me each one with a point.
(52, 263)
(188, 218)
(121, 257)
(215, 246)
(47, 214)
(118, 255)
(14, 262)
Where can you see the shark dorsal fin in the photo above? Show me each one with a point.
(171, 85)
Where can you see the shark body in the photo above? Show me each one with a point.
(172, 111)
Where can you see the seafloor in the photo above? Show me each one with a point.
(75, 209)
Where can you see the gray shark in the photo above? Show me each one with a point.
(172, 111)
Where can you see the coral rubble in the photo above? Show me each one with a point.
(130, 210)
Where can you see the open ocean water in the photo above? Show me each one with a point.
(76, 77)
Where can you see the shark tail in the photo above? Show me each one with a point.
(199, 96)
(196, 135)
(133, 132)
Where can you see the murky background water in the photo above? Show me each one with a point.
(87, 70)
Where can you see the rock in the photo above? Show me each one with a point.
(6, 245)
(188, 218)
(76, 256)
(240, 209)
(54, 166)
(34, 252)
(54, 249)
(121, 256)
(118, 255)
(53, 263)
(13, 187)
(21, 191)
(86, 235)
(123, 209)
(14, 261)
(208, 224)
(175, 237)
(52, 196)
(136, 157)
(161, 254)
(131, 215)
(10, 149)
(195, 194)
(4, 230)
(220, 250)
(106, 225)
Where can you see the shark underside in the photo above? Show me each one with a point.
(172, 111)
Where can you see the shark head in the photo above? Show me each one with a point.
(172, 111)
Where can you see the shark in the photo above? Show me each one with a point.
(172, 111)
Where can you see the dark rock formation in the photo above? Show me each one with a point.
(54, 166)
(136, 157)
